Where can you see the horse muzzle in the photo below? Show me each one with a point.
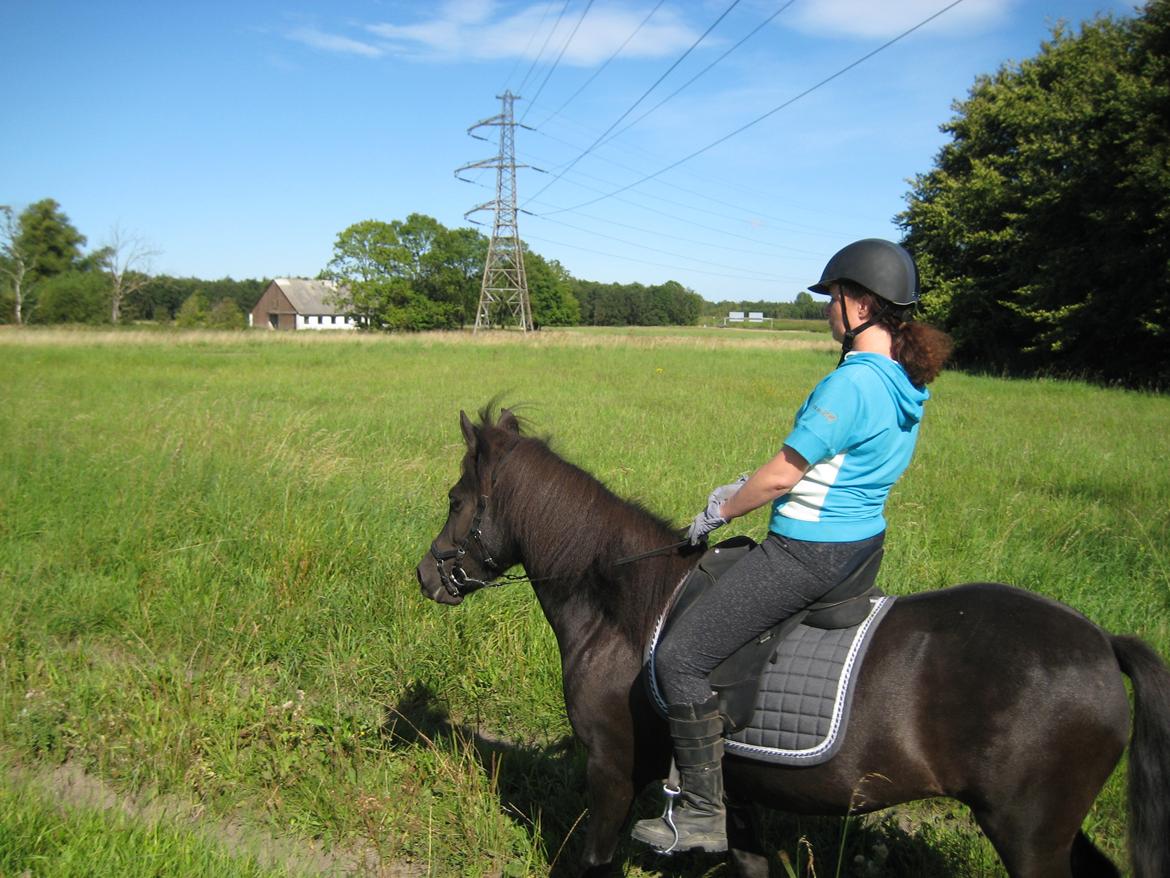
(431, 583)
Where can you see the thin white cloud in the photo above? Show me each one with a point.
(470, 30)
(872, 20)
(334, 43)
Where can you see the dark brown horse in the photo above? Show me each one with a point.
(1004, 700)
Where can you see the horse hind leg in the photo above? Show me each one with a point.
(1032, 846)
(1089, 862)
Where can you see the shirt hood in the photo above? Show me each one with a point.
(908, 399)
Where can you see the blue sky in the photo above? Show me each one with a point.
(240, 138)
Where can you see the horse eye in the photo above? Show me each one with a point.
(456, 504)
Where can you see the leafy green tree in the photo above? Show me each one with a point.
(683, 305)
(226, 314)
(413, 274)
(1043, 232)
(53, 244)
(36, 245)
(364, 260)
(461, 256)
(73, 297)
(635, 304)
(550, 292)
(804, 307)
(194, 312)
(160, 298)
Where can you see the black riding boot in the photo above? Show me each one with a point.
(695, 817)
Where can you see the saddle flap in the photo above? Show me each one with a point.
(737, 678)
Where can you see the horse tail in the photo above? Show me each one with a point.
(1149, 757)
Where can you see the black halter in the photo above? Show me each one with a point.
(457, 583)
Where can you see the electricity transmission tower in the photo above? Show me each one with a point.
(505, 285)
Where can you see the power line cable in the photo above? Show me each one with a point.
(795, 226)
(714, 24)
(762, 274)
(544, 46)
(599, 70)
(687, 84)
(685, 221)
(613, 222)
(749, 271)
(777, 278)
(546, 7)
(759, 119)
(704, 178)
(572, 34)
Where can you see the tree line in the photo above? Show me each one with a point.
(412, 274)
(1042, 233)
(46, 277)
(803, 307)
(417, 274)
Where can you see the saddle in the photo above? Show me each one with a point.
(738, 678)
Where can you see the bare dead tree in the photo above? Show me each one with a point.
(126, 258)
(16, 263)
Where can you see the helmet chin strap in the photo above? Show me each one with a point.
(851, 334)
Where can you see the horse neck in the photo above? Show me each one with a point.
(570, 532)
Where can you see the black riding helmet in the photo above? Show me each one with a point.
(882, 267)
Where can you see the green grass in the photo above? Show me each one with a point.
(207, 545)
(40, 836)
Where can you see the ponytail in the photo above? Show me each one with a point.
(921, 349)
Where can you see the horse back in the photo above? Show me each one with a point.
(986, 648)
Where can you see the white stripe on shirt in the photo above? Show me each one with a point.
(807, 498)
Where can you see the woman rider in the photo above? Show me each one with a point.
(852, 439)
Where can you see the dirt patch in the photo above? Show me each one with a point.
(70, 785)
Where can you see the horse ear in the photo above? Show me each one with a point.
(509, 422)
(470, 434)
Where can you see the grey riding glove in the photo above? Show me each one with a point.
(710, 519)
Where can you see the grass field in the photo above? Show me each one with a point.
(207, 545)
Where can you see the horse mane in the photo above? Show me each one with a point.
(573, 528)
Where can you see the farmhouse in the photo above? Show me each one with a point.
(297, 303)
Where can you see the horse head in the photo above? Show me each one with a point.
(473, 548)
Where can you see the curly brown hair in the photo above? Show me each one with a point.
(921, 349)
